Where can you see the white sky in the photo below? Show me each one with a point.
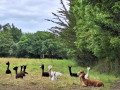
(29, 15)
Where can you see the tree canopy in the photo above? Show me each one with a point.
(92, 27)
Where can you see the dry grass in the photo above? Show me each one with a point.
(34, 80)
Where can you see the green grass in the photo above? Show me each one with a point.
(34, 80)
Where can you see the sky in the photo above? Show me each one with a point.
(29, 15)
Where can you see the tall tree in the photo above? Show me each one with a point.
(6, 43)
(66, 21)
(16, 33)
(97, 28)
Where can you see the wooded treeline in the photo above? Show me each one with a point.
(13, 43)
(91, 31)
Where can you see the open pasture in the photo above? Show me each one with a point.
(34, 80)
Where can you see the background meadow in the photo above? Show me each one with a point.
(34, 79)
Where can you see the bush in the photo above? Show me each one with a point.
(109, 66)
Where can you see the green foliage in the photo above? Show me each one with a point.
(49, 46)
(92, 32)
(22, 46)
(65, 21)
(109, 67)
(9, 36)
(6, 43)
(42, 35)
(54, 48)
(39, 43)
(97, 29)
(16, 33)
(15, 44)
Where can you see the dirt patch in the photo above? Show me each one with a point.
(116, 85)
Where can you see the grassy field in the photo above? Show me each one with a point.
(35, 81)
